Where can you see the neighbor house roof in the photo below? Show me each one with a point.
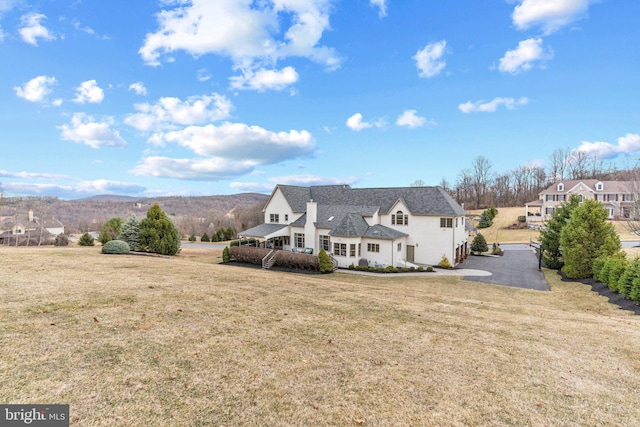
(607, 186)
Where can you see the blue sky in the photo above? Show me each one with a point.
(208, 97)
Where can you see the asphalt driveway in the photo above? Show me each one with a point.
(517, 267)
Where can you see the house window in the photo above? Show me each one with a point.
(352, 250)
(399, 247)
(286, 217)
(561, 197)
(626, 212)
(446, 222)
(325, 242)
(627, 198)
(399, 218)
(274, 218)
(373, 247)
(359, 249)
(340, 249)
(599, 186)
(560, 187)
(549, 197)
(299, 240)
(548, 211)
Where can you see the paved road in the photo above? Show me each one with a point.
(517, 267)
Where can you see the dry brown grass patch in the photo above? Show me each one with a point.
(136, 340)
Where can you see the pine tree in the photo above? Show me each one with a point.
(130, 231)
(485, 220)
(158, 234)
(479, 244)
(586, 237)
(550, 235)
(204, 238)
(326, 266)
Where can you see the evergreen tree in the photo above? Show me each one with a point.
(110, 230)
(485, 220)
(587, 236)
(326, 266)
(158, 234)
(130, 231)
(204, 238)
(550, 235)
(479, 244)
(86, 240)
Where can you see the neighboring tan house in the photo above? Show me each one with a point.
(21, 226)
(616, 196)
(365, 226)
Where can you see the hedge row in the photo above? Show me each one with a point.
(619, 274)
(285, 259)
(390, 269)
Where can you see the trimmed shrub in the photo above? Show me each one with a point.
(225, 254)
(444, 262)
(372, 269)
(379, 270)
(119, 247)
(351, 266)
(631, 273)
(404, 269)
(248, 254)
(598, 265)
(429, 269)
(324, 261)
(243, 242)
(634, 294)
(192, 238)
(86, 240)
(61, 240)
(522, 218)
(421, 269)
(617, 264)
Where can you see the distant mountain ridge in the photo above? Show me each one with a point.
(241, 211)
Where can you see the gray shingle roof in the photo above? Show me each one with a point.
(419, 200)
(263, 230)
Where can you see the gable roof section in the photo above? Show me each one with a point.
(354, 225)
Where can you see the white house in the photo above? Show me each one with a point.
(365, 226)
(618, 197)
(13, 227)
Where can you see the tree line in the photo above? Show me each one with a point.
(479, 186)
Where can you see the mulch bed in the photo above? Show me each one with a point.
(603, 289)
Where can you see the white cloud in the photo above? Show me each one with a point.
(31, 175)
(429, 59)
(84, 129)
(138, 88)
(7, 5)
(214, 168)
(203, 75)
(32, 29)
(307, 180)
(238, 141)
(409, 119)
(89, 91)
(524, 56)
(381, 5)
(628, 144)
(550, 15)
(36, 89)
(252, 187)
(255, 35)
(168, 112)
(357, 123)
(74, 190)
(492, 106)
(263, 79)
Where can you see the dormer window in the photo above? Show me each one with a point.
(599, 186)
(274, 218)
(561, 187)
(399, 218)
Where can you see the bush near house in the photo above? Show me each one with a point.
(479, 244)
(444, 262)
(225, 254)
(61, 240)
(325, 264)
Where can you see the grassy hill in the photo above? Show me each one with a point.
(142, 340)
(499, 233)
